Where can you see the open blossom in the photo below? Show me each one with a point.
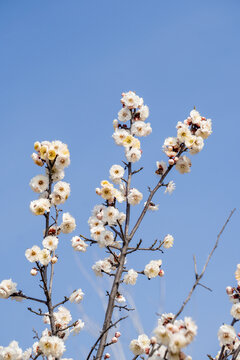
(44, 257)
(50, 242)
(152, 269)
(119, 135)
(136, 348)
(7, 288)
(130, 277)
(78, 244)
(183, 165)
(116, 173)
(168, 241)
(161, 167)
(76, 296)
(124, 114)
(39, 183)
(32, 254)
(40, 206)
(14, 352)
(134, 196)
(131, 100)
(106, 238)
(77, 327)
(100, 266)
(140, 128)
(61, 192)
(51, 346)
(170, 187)
(237, 273)
(235, 311)
(226, 335)
(62, 316)
(110, 215)
(142, 114)
(133, 155)
(68, 223)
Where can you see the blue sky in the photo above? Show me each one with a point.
(63, 66)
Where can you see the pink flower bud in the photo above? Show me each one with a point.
(147, 350)
(107, 356)
(176, 159)
(161, 273)
(117, 334)
(114, 340)
(33, 272)
(238, 334)
(54, 260)
(170, 148)
(171, 162)
(229, 290)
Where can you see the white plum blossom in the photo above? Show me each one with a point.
(39, 183)
(40, 206)
(235, 311)
(226, 335)
(116, 173)
(183, 165)
(79, 244)
(50, 242)
(79, 325)
(32, 254)
(7, 288)
(152, 269)
(76, 296)
(106, 238)
(134, 197)
(44, 257)
(170, 187)
(168, 241)
(130, 277)
(119, 135)
(68, 223)
(51, 346)
(100, 266)
(133, 155)
(124, 114)
(131, 100)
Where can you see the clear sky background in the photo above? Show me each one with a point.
(63, 66)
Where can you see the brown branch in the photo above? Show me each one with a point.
(137, 171)
(62, 302)
(199, 277)
(20, 294)
(40, 313)
(150, 248)
(100, 337)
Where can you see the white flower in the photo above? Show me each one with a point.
(37, 160)
(78, 244)
(134, 197)
(139, 128)
(110, 215)
(143, 113)
(61, 162)
(62, 188)
(131, 100)
(170, 187)
(130, 277)
(116, 173)
(101, 265)
(162, 334)
(133, 155)
(119, 135)
(33, 254)
(106, 238)
(77, 327)
(40, 206)
(120, 298)
(124, 114)
(183, 165)
(152, 206)
(183, 133)
(39, 183)
(97, 231)
(27, 353)
(93, 221)
(235, 311)
(56, 174)
(143, 341)
(226, 335)
(7, 288)
(177, 342)
(136, 348)
(62, 316)
(152, 269)
(237, 273)
(51, 346)
(205, 129)
(76, 296)
(168, 241)
(50, 242)
(197, 145)
(44, 257)
(68, 223)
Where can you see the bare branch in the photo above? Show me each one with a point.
(20, 294)
(62, 302)
(199, 277)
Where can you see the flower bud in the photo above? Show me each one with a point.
(33, 272)
(161, 273)
(229, 290)
(117, 334)
(107, 356)
(147, 350)
(171, 162)
(115, 123)
(98, 191)
(176, 159)
(54, 259)
(153, 340)
(114, 340)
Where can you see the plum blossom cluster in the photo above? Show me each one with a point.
(14, 352)
(130, 125)
(191, 134)
(171, 336)
(226, 334)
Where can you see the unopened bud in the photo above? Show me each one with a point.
(161, 273)
(176, 159)
(153, 340)
(147, 350)
(238, 334)
(33, 272)
(54, 259)
(117, 334)
(170, 148)
(114, 340)
(229, 290)
(115, 123)
(171, 162)
(107, 356)
(98, 191)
